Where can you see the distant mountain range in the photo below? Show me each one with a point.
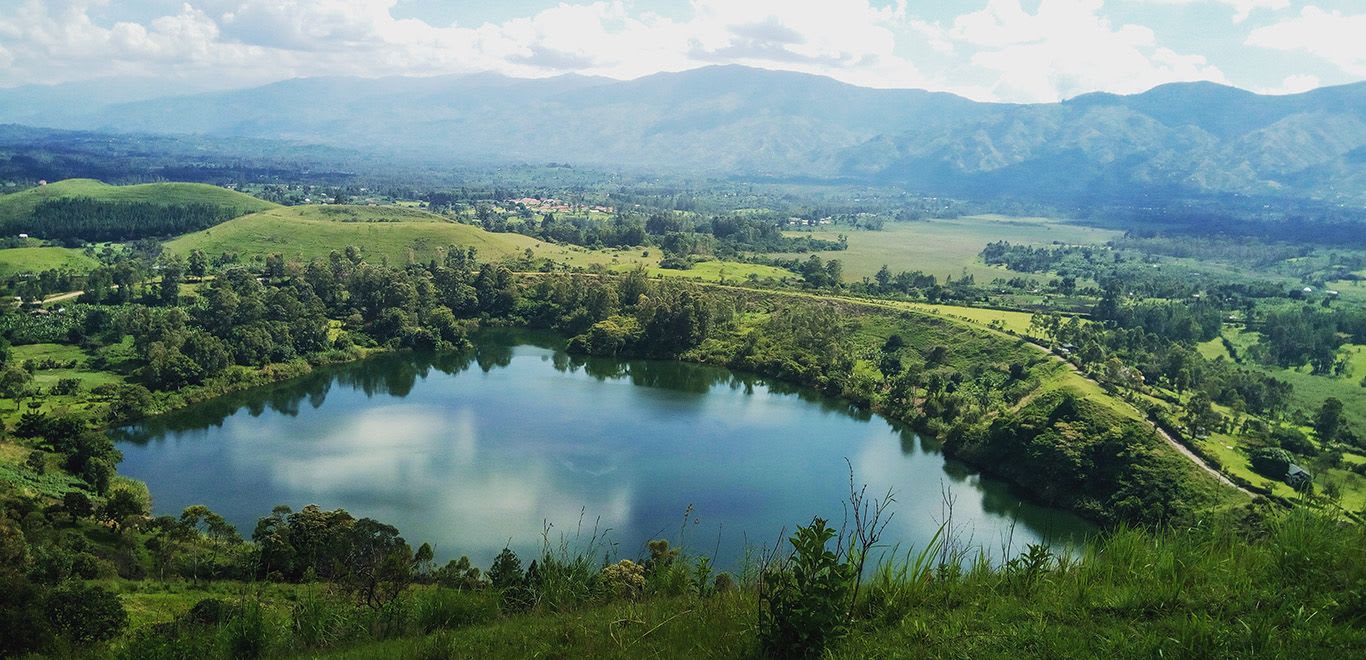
(1178, 139)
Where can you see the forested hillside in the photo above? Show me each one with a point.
(86, 210)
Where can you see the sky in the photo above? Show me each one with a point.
(992, 50)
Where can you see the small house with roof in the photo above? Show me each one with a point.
(1298, 477)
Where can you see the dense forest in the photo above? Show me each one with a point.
(82, 219)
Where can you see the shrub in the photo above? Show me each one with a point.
(1271, 462)
(624, 579)
(319, 621)
(250, 634)
(211, 612)
(23, 628)
(86, 614)
(803, 599)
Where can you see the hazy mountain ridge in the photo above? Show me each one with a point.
(1190, 137)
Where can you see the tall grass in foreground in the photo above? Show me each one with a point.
(1291, 584)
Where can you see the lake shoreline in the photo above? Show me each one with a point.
(364, 387)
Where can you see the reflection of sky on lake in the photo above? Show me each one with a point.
(484, 452)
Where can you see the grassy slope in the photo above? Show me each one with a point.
(21, 204)
(402, 235)
(947, 247)
(305, 232)
(38, 259)
(718, 271)
(64, 353)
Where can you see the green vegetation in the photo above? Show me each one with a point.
(949, 247)
(20, 206)
(85, 210)
(37, 259)
(1254, 582)
(1258, 379)
(400, 235)
(717, 271)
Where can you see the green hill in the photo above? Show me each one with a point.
(21, 205)
(394, 232)
(401, 234)
(84, 209)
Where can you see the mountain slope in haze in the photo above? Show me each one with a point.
(1189, 138)
(52, 105)
(720, 119)
(1182, 138)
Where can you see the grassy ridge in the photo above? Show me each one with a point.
(18, 206)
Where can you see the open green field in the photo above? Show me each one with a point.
(1350, 290)
(401, 234)
(947, 247)
(1235, 461)
(1017, 322)
(38, 259)
(1310, 390)
(64, 353)
(718, 271)
(16, 207)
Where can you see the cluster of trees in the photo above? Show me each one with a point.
(33, 287)
(1032, 259)
(620, 231)
(367, 567)
(1175, 321)
(922, 286)
(677, 235)
(242, 318)
(86, 219)
(1134, 357)
(1119, 271)
(815, 272)
(1291, 337)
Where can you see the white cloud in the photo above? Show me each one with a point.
(1241, 8)
(1001, 52)
(1067, 48)
(849, 39)
(1293, 85)
(1329, 35)
(58, 41)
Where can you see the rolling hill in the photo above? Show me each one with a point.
(18, 207)
(1186, 138)
(400, 235)
(305, 232)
